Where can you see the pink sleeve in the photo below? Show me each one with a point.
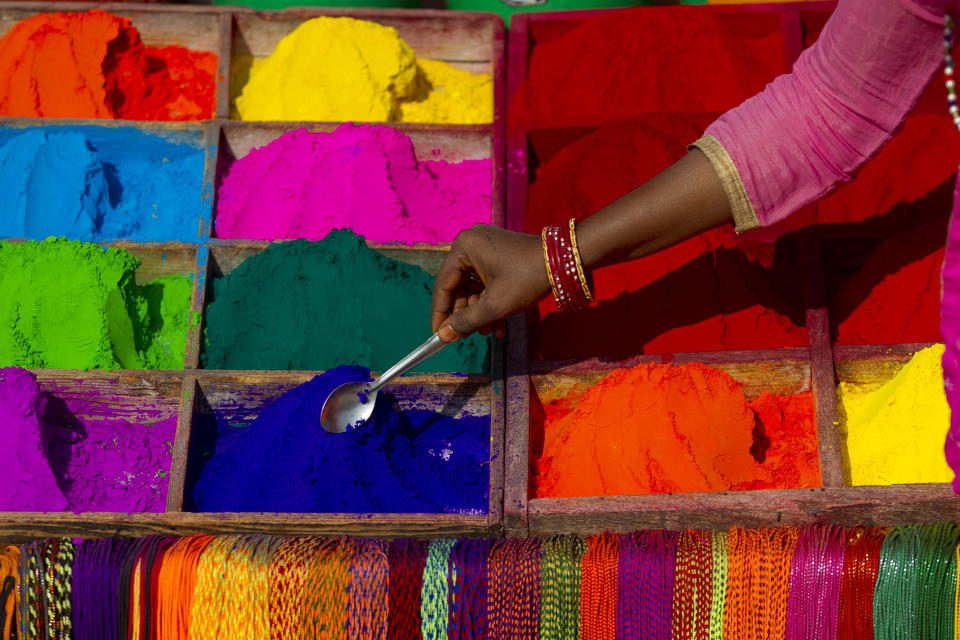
(846, 96)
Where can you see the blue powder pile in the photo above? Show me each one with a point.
(99, 184)
(415, 461)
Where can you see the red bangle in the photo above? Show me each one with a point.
(570, 288)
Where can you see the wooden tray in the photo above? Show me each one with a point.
(243, 394)
(783, 370)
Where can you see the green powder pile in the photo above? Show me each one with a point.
(75, 305)
(316, 305)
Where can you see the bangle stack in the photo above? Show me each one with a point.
(571, 290)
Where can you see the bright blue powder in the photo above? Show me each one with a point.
(414, 461)
(100, 183)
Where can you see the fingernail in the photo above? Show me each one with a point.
(447, 334)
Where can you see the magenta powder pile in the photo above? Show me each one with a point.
(363, 177)
(81, 451)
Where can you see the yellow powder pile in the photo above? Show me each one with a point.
(894, 433)
(343, 69)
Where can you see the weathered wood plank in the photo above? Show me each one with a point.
(197, 299)
(181, 445)
(845, 506)
(15, 527)
(517, 425)
(822, 371)
(497, 393)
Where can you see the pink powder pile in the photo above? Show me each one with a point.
(363, 177)
(80, 449)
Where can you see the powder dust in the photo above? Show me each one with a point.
(315, 305)
(72, 305)
(747, 296)
(410, 461)
(343, 69)
(100, 184)
(894, 432)
(93, 64)
(658, 428)
(367, 178)
(648, 60)
(82, 451)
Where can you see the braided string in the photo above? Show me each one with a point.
(860, 565)
(407, 561)
(326, 595)
(33, 600)
(264, 547)
(956, 597)
(598, 588)
(815, 579)
(895, 592)
(513, 589)
(434, 604)
(9, 592)
(693, 595)
(718, 559)
(936, 575)
(369, 582)
(560, 587)
(176, 585)
(288, 576)
(467, 581)
(758, 575)
(205, 609)
(645, 582)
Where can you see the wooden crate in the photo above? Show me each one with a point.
(471, 41)
(782, 370)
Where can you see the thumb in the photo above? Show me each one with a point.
(467, 320)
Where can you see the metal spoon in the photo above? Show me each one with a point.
(351, 404)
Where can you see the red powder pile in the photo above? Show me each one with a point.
(885, 267)
(664, 429)
(94, 65)
(650, 59)
(712, 292)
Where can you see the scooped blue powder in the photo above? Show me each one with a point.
(100, 183)
(410, 461)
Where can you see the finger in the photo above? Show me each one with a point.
(484, 330)
(500, 329)
(476, 315)
(445, 289)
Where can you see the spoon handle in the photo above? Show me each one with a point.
(418, 355)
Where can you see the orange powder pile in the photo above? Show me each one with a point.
(658, 428)
(94, 65)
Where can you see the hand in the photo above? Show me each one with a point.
(488, 275)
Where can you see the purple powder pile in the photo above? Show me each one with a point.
(82, 450)
(410, 461)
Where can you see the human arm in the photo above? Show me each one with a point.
(791, 144)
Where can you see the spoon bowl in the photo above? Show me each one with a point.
(351, 404)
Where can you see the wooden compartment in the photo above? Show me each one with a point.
(452, 143)
(239, 396)
(202, 28)
(199, 136)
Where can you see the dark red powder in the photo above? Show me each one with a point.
(884, 271)
(712, 292)
(651, 59)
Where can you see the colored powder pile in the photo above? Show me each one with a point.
(894, 433)
(27, 482)
(72, 305)
(659, 428)
(367, 178)
(649, 60)
(82, 451)
(343, 69)
(94, 65)
(316, 305)
(99, 184)
(411, 461)
(712, 292)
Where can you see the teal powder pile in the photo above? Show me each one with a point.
(316, 305)
(74, 305)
